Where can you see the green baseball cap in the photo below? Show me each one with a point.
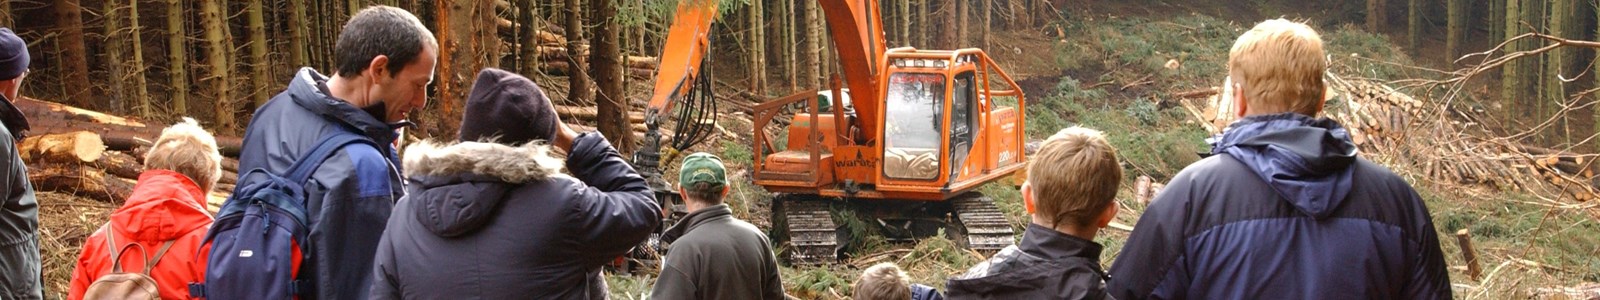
(702, 167)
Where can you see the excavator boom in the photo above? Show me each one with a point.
(858, 37)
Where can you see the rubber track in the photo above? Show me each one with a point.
(812, 235)
(986, 228)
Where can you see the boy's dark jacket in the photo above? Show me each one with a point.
(1047, 264)
(1284, 211)
(491, 221)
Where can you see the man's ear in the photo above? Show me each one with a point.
(1240, 104)
(1107, 215)
(1027, 196)
(725, 189)
(379, 66)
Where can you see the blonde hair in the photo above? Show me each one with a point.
(1280, 66)
(883, 281)
(189, 150)
(1074, 176)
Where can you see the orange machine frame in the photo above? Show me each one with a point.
(991, 157)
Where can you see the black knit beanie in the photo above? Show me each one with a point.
(509, 109)
(13, 55)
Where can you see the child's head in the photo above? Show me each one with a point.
(1073, 180)
(1278, 67)
(189, 150)
(883, 281)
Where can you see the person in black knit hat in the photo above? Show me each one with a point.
(19, 214)
(491, 216)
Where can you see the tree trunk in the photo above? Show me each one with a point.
(1019, 15)
(218, 49)
(605, 63)
(577, 82)
(116, 66)
(469, 41)
(925, 30)
(355, 6)
(1375, 15)
(905, 23)
(69, 17)
(297, 33)
(985, 21)
(258, 54)
(811, 59)
(141, 89)
(1497, 20)
(1509, 75)
(529, 38)
(1457, 25)
(1414, 25)
(177, 57)
(758, 52)
(949, 27)
(6, 19)
(962, 10)
(792, 36)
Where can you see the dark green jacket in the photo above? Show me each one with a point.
(19, 213)
(711, 255)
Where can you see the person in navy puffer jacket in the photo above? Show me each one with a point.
(1284, 208)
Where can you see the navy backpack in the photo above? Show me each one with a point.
(261, 235)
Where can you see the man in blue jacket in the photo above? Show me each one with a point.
(1284, 209)
(385, 59)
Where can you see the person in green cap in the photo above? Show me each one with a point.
(710, 254)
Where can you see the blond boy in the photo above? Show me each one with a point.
(1070, 192)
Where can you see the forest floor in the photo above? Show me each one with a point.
(1108, 72)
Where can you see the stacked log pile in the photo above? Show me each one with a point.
(1437, 141)
(94, 155)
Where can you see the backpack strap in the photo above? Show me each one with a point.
(116, 262)
(302, 168)
(111, 247)
(151, 263)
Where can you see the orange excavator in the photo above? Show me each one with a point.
(922, 131)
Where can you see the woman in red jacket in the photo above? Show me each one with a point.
(168, 204)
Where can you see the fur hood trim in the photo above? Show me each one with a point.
(513, 164)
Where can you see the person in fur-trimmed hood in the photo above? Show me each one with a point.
(493, 217)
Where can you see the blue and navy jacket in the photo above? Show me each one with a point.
(349, 196)
(1283, 210)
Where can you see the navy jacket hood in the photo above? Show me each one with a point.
(1305, 160)
(309, 89)
(462, 185)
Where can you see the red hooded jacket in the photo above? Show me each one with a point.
(164, 206)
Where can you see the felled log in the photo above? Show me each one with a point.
(1141, 190)
(77, 146)
(563, 68)
(590, 113)
(81, 180)
(118, 133)
(1196, 94)
(120, 164)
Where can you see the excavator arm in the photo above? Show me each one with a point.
(682, 76)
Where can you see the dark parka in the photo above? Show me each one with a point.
(1047, 264)
(491, 221)
(349, 195)
(712, 255)
(19, 214)
(1284, 210)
